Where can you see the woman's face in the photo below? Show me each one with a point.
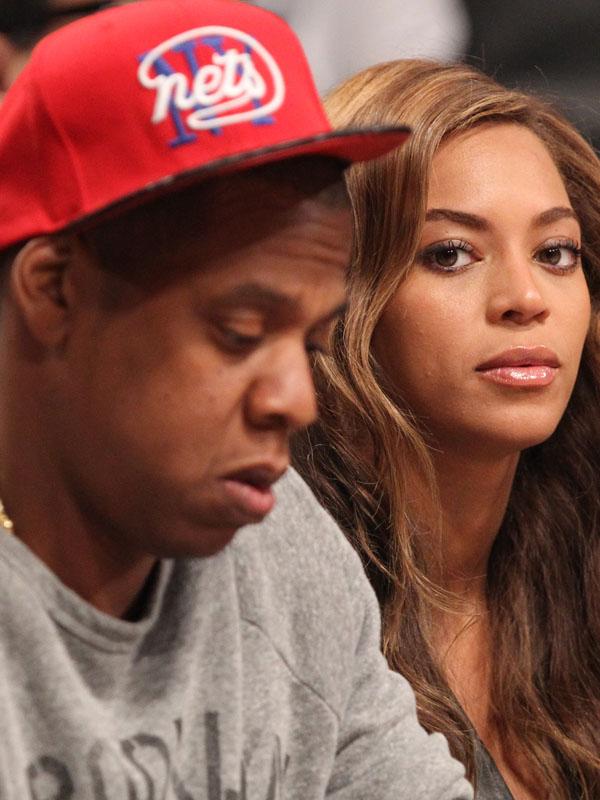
(484, 337)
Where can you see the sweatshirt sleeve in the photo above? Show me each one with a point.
(383, 751)
(306, 589)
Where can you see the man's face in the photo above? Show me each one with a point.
(175, 400)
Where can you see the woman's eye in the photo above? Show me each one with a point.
(450, 256)
(561, 256)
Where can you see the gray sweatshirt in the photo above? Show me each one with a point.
(253, 675)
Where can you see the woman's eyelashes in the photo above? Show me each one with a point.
(561, 255)
(452, 255)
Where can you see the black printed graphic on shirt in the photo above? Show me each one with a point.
(144, 767)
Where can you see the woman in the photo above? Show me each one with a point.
(459, 442)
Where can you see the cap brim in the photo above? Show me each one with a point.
(349, 146)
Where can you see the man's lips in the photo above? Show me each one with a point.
(248, 490)
(521, 367)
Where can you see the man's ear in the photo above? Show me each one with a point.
(42, 289)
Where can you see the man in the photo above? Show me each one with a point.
(24, 22)
(174, 235)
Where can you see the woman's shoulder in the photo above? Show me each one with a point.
(490, 783)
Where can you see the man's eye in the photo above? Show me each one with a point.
(320, 338)
(237, 340)
(317, 348)
(450, 256)
(242, 339)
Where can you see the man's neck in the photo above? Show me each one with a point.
(91, 562)
(110, 585)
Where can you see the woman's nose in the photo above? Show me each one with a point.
(517, 292)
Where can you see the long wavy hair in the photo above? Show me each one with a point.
(543, 577)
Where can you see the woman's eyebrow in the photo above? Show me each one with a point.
(554, 215)
(460, 217)
(480, 223)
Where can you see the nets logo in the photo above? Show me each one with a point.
(208, 78)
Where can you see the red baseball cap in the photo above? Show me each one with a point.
(145, 98)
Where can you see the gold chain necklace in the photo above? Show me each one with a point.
(6, 522)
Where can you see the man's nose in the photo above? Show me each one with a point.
(283, 394)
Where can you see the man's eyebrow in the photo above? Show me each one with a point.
(264, 298)
(554, 215)
(460, 217)
(255, 295)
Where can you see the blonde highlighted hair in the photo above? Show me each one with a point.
(543, 582)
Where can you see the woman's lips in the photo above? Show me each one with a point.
(539, 375)
(526, 367)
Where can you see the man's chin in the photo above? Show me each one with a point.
(199, 542)
(200, 539)
(206, 526)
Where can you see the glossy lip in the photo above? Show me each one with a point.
(248, 490)
(524, 367)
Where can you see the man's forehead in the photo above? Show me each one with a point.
(259, 205)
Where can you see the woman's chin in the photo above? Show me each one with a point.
(498, 437)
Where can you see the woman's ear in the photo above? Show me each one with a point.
(42, 289)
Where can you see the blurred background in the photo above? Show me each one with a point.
(550, 47)
(24, 22)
